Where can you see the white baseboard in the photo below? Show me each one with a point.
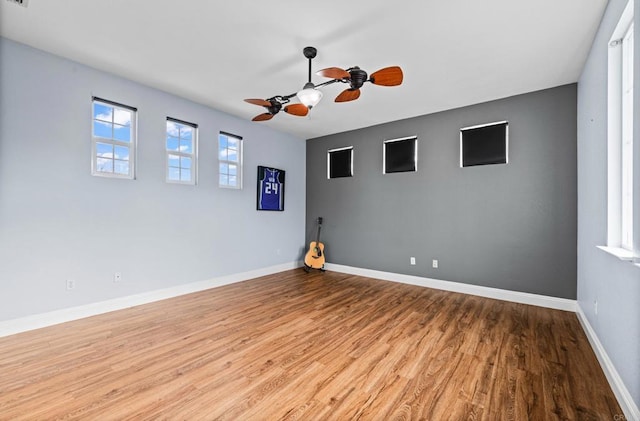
(37, 321)
(630, 409)
(488, 292)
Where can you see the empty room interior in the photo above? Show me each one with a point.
(269, 211)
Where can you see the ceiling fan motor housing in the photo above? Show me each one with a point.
(275, 107)
(358, 77)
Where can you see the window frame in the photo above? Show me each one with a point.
(238, 163)
(620, 165)
(131, 145)
(193, 155)
(329, 152)
(626, 241)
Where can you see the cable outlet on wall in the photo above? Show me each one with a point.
(434, 263)
(71, 284)
(117, 277)
(412, 260)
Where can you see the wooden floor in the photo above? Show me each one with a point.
(313, 347)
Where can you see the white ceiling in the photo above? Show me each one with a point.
(453, 53)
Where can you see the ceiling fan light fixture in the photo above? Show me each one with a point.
(309, 95)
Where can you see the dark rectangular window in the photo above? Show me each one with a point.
(484, 145)
(340, 162)
(400, 155)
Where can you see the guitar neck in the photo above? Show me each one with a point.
(319, 227)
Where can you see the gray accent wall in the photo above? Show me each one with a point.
(507, 226)
(58, 222)
(602, 278)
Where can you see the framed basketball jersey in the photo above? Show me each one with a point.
(270, 189)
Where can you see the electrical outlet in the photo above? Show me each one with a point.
(117, 277)
(412, 260)
(71, 284)
(434, 263)
(595, 306)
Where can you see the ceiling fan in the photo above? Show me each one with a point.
(309, 95)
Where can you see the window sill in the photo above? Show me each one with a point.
(620, 253)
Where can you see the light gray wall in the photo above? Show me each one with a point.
(602, 277)
(506, 226)
(58, 222)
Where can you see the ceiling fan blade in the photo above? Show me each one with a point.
(300, 110)
(334, 73)
(262, 117)
(348, 95)
(261, 102)
(389, 76)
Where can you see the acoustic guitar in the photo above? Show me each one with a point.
(314, 259)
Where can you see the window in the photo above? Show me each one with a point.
(230, 160)
(340, 162)
(113, 144)
(486, 144)
(400, 155)
(181, 147)
(627, 140)
(620, 138)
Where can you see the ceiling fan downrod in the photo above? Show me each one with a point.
(310, 53)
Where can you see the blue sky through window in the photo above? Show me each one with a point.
(112, 132)
(180, 147)
(229, 157)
